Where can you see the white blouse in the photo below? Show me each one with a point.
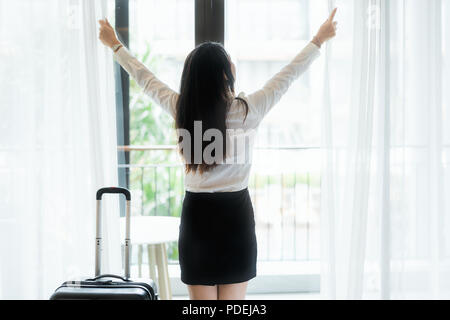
(234, 174)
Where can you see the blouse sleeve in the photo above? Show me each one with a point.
(151, 85)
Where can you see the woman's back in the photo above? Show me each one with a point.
(233, 174)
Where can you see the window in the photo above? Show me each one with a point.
(161, 34)
(262, 37)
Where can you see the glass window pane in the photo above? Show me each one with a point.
(161, 35)
(262, 36)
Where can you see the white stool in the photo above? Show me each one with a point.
(154, 232)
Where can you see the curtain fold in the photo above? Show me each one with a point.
(384, 211)
(57, 145)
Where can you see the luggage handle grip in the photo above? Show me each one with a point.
(108, 276)
(98, 232)
(109, 190)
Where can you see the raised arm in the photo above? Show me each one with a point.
(264, 99)
(151, 85)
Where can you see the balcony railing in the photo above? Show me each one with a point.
(284, 186)
(285, 190)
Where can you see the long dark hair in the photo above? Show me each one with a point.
(206, 94)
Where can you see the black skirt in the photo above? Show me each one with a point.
(217, 240)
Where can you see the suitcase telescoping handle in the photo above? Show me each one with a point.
(98, 236)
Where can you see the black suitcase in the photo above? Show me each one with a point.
(107, 286)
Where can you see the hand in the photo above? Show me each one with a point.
(327, 30)
(107, 34)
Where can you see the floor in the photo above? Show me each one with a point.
(272, 296)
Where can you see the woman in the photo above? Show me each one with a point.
(217, 242)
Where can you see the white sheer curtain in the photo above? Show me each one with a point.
(385, 209)
(57, 144)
